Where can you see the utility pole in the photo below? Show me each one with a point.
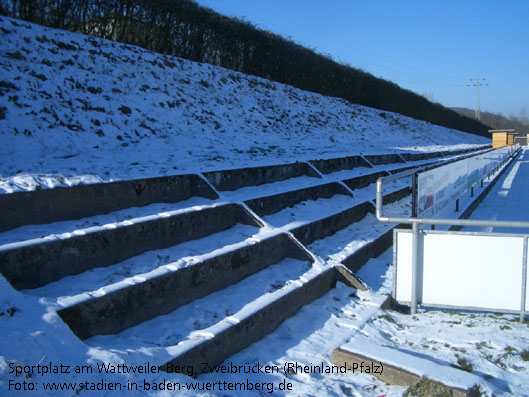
(477, 84)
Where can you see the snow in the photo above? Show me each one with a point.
(507, 200)
(85, 110)
(82, 110)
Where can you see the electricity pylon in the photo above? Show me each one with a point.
(477, 84)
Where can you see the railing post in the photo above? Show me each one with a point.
(414, 266)
(524, 279)
(414, 194)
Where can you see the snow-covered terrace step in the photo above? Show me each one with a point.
(235, 179)
(35, 263)
(396, 195)
(229, 336)
(97, 281)
(274, 203)
(380, 159)
(449, 157)
(234, 333)
(402, 169)
(71, 227)
(415, 156)
(74, 202)
(163, 291)
(194, 318)
(221, 340)
(309, 211)
(370, 250)
(321, 228)
(227, 180)
(460, 151)
(355, 243)
(360, 182)
(328, 166)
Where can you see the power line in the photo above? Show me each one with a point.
(477, 84)
(282, 24)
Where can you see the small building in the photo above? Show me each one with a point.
(501, 138)
(522, 140)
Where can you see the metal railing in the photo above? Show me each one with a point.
(416, 222)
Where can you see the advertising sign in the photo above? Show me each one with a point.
(437, 189)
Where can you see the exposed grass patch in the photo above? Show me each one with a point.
(426, 388)
(16, 55)
(65, 46)
(94, 90)
(39, 76)
(464, 364)
(41, 39)
(10, 311)
(125, 110)
(169, 64)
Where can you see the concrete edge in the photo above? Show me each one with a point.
(362, 181)
(229, 180)
(81, 201)
(271, 204)
(389, 373)
(329, 225)
(396, 195)
(328, 166)
(380, 159)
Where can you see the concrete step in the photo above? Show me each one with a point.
(329, 166)
(321, 228)
(154, 295)
(219, 341)
(234, 333)
(415, 156)
(380, 159)
(396, 195)
(64, 203)
(227, 180)
(271, 204)
(360, 182)
(38, 262)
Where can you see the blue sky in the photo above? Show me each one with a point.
(432, 47)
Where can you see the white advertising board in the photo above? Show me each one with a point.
(437, 189)
(463, 270)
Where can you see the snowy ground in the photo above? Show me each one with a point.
(79, 109)
(75, 109)
(507, 201)
(494, 347)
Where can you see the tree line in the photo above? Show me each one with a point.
(183, 28)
